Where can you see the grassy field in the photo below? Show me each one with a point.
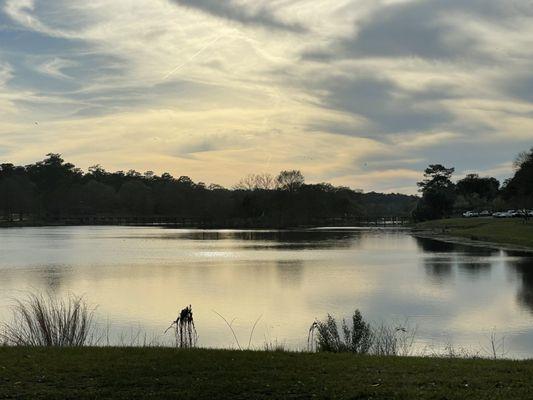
(505, 231)
(156, 373)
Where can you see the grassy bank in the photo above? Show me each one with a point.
(90, 373)
(503, 231)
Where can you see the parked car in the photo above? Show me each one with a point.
(484, 213)
(470, 214)
(519, 213)
(502, 214)
(513, 214)
(523, 213)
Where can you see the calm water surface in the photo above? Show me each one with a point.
(139, 277)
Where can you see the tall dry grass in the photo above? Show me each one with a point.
(44, 320)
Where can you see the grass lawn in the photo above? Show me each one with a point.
(506, 231)
(157, 373)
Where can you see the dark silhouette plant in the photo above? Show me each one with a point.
(356, 338)
(185, 331)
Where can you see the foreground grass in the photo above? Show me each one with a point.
(505, 231)
(142, 373)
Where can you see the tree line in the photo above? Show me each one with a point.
(442, 198)
(52, 189)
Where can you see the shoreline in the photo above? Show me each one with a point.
(435, 233)
(439, 234)
(447, 238)
(501, 234)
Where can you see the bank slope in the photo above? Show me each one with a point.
(142, 373)
(513, 232)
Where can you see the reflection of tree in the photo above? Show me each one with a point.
(438, 246)
(442, 255)
(434, 246)
(439, 268)
(476, 261)
(437, 263)
(285, 239)
(290, 272)
(53, 276)
(523, 266)
(474, 268)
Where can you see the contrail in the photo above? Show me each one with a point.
(192, 57)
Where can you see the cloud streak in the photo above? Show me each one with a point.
(227, 9)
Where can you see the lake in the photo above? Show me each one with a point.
(139, 278)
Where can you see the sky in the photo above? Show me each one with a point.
(361, 93)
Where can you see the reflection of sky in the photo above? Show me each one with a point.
(139, 277)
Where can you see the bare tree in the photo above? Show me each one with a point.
(290, 180)
(263, 181)
(246, 183)
(522, 158)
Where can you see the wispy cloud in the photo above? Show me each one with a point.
(233, 11)
(6, 73)
(55, 67)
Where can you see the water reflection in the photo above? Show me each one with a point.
(434, 246)
(438, 258)
(53, 277)
(268, 239)
(474, 269)
(290, 272)
(442, 258)
(522, 264)
(140, 276)
(439, 268)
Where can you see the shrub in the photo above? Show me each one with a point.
(360, 337)
(41, 320)
(324, 335)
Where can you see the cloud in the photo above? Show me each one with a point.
(227, 9)
(6, 73)
(501, 170)
(519, 86)
(433, 29)
(408, 30)
(55, 67)
(426, 139)
(385, 180)
(21, 11)
(387, 107)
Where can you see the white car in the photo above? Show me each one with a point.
(519, 213)
(470, 214)
(502, 214)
